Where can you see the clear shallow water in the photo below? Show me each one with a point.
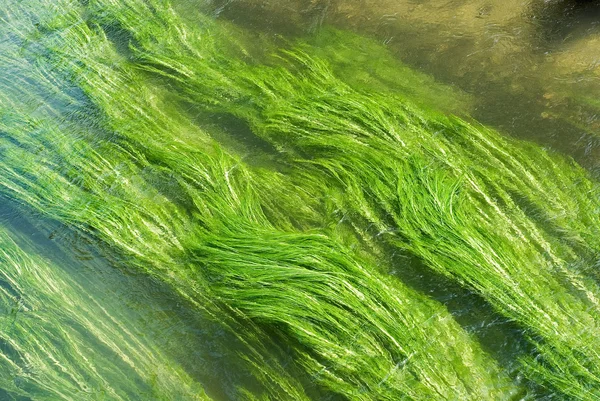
(138, 306)
(532, 67)
(529, 68)
(504, 59)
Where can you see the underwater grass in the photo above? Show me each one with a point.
(63, 338)
(103, 196)
(116, 216)
(470, 223)
(504, 218)
(221, 239)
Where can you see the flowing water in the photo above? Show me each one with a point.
(272, 200)
(532, 67)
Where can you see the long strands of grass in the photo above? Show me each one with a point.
(63, 338)
(502, 217)
(467, 222)
(111, 198)
(80, 177)
(354, 333)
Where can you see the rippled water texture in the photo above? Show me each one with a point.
(268, 200)
(532, 66)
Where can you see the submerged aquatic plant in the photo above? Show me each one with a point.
(502, 217)
(144, 180)
(62, 337)
(95, 139)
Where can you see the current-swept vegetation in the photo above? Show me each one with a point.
(116, 121)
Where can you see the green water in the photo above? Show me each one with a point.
(255, 200)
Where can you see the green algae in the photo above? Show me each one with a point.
(455, 194)
(353, 332)
(95, 141)
(63, 338)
